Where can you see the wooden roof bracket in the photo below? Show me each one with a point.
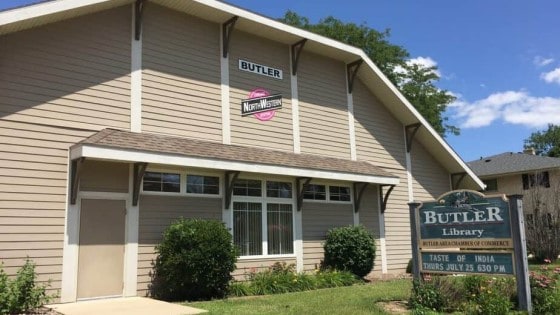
(351, 72)
(227, 30)
(229, 186)
(138, 13)
(385, 198)
(358, 195)
(300, 189)
(76, 172)
(139, 170)
(455, 183)
(411, 131)
(296, 49)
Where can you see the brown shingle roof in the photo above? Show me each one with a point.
(146, 142)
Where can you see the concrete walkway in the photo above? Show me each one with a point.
(130, 305)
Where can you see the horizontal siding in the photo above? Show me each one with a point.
(429, 178)
(70, 74)
(379, 135)
(369, 218)
(323, 106)
(397, 225)
(156, 214)
(104, 176)
(181, 75)
(317, 219)
(59, 84)
(276, 133)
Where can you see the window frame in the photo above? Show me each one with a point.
(264, 200)
(163, 193)
(183, 184)
(205, 174)
(327, 192)
(529, 180)
(485, 181)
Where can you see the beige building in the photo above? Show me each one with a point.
(535, 177)
(118, 117)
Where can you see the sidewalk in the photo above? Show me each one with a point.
(130, 305)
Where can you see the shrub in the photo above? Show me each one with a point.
(282, 278)
(22, 294)
(195, 260)
(545, 293)
(425, 296)
(350, 248)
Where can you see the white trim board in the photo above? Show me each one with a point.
(124, 155)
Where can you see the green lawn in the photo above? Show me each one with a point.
(357, 299)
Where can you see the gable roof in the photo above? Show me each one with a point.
(151, 148)
(219, 12)
(510, 162)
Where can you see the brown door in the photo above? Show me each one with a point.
(101, 253)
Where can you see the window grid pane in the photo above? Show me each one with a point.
(339, 193)
(197, 184)
(278, 189)
(315, 192)
(247, 227)
(163, 182)
(280, 229)
(246, 187)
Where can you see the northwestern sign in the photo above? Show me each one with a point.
(467, 262)
(465, 219)
(252, 67)
(263, 107)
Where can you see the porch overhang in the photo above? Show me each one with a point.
(124, 146)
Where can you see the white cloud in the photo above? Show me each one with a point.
(425, 62)
(540, 61)
(552, 76)
(514, 107)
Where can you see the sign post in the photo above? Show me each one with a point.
(466, 232)
(520, 247)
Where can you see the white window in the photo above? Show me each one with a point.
(204, 185)
(162, 182)
(263, 223)
(327, 193)
(339, 193)
(315, 192)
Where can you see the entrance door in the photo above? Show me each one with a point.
(101, 253)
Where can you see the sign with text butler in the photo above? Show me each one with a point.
(465, 219)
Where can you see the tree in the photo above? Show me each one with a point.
(414, 81)
(542, 208)
(545, 142)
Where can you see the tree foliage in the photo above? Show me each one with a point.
(545, 142)
(415, 82)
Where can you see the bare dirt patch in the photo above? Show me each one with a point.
(395, 307)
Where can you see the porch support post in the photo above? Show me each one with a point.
(139, 170)
(229, 186)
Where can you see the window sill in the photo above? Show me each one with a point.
(266, 257)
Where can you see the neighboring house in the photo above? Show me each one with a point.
(118, 117)
(533, 176)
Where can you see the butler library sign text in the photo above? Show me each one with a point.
(466, 220)
(490, 228)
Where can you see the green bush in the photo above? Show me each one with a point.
(282, 278)
(350, 248)
(22, 294)
(425, 296)
(195, 261)
(545, 293)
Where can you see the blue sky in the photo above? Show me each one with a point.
(501, 58)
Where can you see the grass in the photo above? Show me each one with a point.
(357, 299)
